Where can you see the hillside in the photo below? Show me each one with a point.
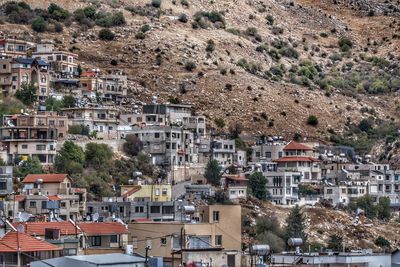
(265, 64)
(323, 222)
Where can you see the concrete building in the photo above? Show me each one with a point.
(102, 120)
(235, 186)
(51, 195)
(12, 48)
(6, 181)
(32, 135)
(147, 192)
(63, 64)
(104, 260)
(223, 150)
(216, 226)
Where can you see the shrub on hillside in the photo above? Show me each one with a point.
(106, 35)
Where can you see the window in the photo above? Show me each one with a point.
(24, 146)
(3, 185)
(40, 147)
(216, 216)
(69, 252)
(63, 204)
(61, 123)
(95, 241)
(168, 209)
(218, 240)
(156, 135)
(164, 191)
(163, 241)
(134, 242)
(157, 192)
(139, 209)
(114, 239)
(329, 191)
(268, 154)
(155, 209)
(4, 66)
(32, 204)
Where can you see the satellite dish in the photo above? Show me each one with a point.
(23, 216)
(21, 228)
(95, 217)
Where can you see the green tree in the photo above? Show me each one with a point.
(257, 185)
(312, 120)
(132, 145)
(27, 94)
(213, 172)
(382, 242)
(383, 208)
(335, 243)
(31, 166)
(70, 158)
(39, 24)
(106, 35)
(90, 12)
(53, 104)
(219, 122)
(366, 203)
(270, 232)
(98, 156)
(296, 224)
(68, 101)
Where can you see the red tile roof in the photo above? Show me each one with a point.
(54, 198)
(38, 228)
(293, 145)
(103, 228)
(27, 243)
(47, 178)
(131, 191)
(294, 159)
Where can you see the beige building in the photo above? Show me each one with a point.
(14, 48)
(32, 135)
(214, 228)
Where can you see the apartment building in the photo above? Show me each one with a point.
(129, 211)
(167, 145)
(100, 119)
(345, 192)
(63, 64)
(32, 135)
(235, 186)
(16, 72)
(223, 150)
(300, 158)
(109, 87)
(12, 48)
(147, 192)
(216, 227)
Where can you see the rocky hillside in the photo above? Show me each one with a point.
(321, 223)
(268, 64)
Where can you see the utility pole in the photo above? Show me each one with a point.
(146, 255)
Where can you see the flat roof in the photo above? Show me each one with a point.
(112, 258)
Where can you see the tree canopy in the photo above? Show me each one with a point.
(213, 172)
(132, 145)
(295, 224)
(257, 184)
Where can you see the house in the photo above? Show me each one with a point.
(25, 136)
(63, 64)
(235, 185)
(12, 48)
(223, 150)
(19, 249)
(104, 237)
(64, 234)
(103, 260)
(344, 193)
(147, 192)
(101, 120)
(299, 158)
(53, 196)
(215, 226)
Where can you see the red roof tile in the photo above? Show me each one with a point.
(293, 159)
(47, 178)
(27, 243)
(293, 145)
(54, 198)
(103, 228)
(131, 191)
(38, 228)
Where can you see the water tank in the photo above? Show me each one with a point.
(295, 242)
(260, 250)
(189, 209)
(129, 249)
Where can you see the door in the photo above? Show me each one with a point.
(231, 260)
